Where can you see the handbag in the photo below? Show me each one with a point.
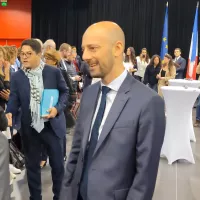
(17, 158)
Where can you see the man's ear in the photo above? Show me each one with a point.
(118, 49)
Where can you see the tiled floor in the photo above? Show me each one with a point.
(180, 181)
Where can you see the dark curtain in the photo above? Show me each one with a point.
(141, 20)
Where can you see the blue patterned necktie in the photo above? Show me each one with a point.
(93, 142)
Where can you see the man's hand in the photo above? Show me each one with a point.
(52, 113)
(9, 118)
(158, 76)
(132, 70)
(176, 65)
(4, 94)
(77, 78)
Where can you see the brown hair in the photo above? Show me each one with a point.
(64, 46)
(52, 54)
(147, 56)
(177, 49)
(132, 56)
(171, 63)
(153, 58)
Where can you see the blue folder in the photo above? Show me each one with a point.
(49, 100)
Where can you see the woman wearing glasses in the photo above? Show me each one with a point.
(52, 58)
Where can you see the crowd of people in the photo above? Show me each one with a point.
(155, 72)
(25, 72)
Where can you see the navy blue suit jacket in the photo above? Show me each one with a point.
(180, 70)
(20, 97)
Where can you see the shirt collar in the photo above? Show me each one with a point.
(42, 62)
(116, 84)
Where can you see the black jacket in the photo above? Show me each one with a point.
(87, 79)
(69, 83)
(150, 75)
(4, 85)
(70, 121)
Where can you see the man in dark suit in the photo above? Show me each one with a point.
(77, 57)
(180, 64)
(120, 128)
(67, 65)
(27, 86)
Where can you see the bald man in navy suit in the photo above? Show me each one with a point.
(120, 128)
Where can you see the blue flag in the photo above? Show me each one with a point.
(164, 46)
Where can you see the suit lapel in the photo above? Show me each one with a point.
(92, 102)
(116, 109)
(177, 61)
(44, 76)
(25, 85)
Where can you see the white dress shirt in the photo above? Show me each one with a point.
(176, 58)
(95, 80)
(114, 86)
(128, 65)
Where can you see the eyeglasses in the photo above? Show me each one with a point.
(26, 55)
(47, 58)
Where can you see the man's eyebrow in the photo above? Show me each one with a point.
(26, 52)
(89, 45)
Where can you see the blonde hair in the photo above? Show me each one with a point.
(52, 54)
(11, 52)
(6, 55)
(2, 49)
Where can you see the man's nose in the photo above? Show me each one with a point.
(86, 55)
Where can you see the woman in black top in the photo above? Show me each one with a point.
(151, 72)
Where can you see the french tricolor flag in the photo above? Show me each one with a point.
(193, 57)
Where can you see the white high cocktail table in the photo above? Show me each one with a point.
(187, 83)
(178, 103)
(184, 82)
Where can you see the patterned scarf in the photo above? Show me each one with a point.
(36, 90)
